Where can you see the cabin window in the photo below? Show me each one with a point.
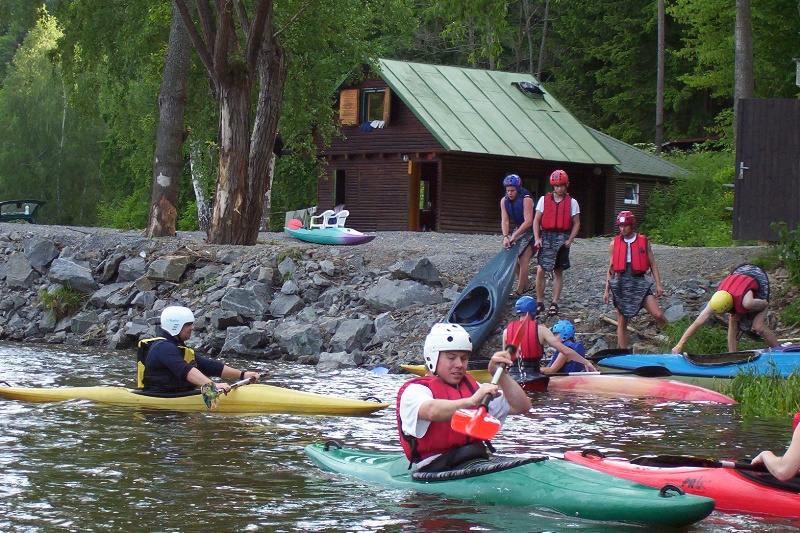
(632, 194)
(372, 104)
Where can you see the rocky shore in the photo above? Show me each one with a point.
(367, 305)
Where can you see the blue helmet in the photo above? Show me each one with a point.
(512, 180)
(565, 329)
(526, 304)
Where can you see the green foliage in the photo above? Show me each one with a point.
(693, 211)
(769, 260)
(767, 396)
(294, 187)
(789, 249)
(62, 302)
(130, 212)
(710, 338)
(790, 315)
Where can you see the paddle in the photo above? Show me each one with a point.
(478, 422)
(211, 393)
(696, 462)
(653, 371)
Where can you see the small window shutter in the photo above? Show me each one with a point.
(348, 107)
(387, 106)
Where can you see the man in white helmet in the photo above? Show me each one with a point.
(426, 405)
(172, 367)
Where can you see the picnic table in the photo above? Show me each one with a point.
(20, 210)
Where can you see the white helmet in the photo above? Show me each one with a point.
(174, 317)
(444, 337)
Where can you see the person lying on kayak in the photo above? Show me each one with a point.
(740, 294)
(565, 332)
(788, 465)
(425, 405)
(630, 257)
(527, 365)
(172, 367)
(516, 223)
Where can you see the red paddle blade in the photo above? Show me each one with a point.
(475, 423)
(796, 421)
(294, 224)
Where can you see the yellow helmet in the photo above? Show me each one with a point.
(721, 302)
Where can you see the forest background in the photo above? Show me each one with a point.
(81, 80)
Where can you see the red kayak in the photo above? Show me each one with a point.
(734, 490)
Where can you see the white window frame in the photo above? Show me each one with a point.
(634, 187)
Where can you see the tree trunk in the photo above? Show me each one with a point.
(234, 196)
(659, 140)
(170, 136)
(545, 20)
(743, 75)
(198, 180)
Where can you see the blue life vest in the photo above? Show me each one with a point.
(573, 366)
(516, 210)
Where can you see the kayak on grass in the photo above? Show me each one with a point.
(734, 491)
(616, 385)
(783, 361)
(340, 236)
(536, 482)
(479, 306)
(251, 399)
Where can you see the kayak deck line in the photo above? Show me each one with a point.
(252, 399)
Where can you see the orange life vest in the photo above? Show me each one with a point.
(738, 285)
(640, 262)
(557, 215)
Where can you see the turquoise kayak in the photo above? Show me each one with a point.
(781, 361)
(539, 482)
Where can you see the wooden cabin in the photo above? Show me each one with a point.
(426, 147)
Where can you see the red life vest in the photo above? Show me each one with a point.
(738, 285)
(530, 348)
(796, 421)
(557, 215)
(440, 437)
(640, 262)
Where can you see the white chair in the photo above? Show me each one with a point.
(321, 221)
(337, 221)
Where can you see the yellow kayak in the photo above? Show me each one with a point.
(251, 399)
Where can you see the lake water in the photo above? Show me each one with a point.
(80, 466)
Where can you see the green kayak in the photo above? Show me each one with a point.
(540, 482)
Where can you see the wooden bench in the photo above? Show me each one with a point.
(20, 210)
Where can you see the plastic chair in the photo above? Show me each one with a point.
(337, 221)
(321, 221)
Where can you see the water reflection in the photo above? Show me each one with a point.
(82, 466)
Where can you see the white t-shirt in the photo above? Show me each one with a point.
(574, 209)
(416, 394)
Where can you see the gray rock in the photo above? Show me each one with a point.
(131, 269)
(19, 272)
(243, 341)
(338, 360)
(83, 321)
(285, 304)
(73, 273)
(352, 335)
(417, 269)
(40, 252)
(168, 268)
(675, 313)
(99, 298)
(388, 295)
(298, 339)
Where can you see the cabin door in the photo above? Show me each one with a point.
(767, 184)
(423, 196)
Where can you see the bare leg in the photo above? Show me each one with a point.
(522, 269)
(558, 283)
(733, 333)
(540, 284)
(760, 327)
(651, 305)
(622, 330)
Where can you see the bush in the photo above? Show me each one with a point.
(789, 250)
(693, 210)
(768, 396)
(62, 302)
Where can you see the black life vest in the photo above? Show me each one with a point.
(144, 348)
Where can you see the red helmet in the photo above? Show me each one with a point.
(626, 218)
(559, 177)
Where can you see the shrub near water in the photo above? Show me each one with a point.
(62, 302)
(766, 396)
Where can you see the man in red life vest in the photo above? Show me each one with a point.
(630, 258)
(426, 405)
(527, 366)
(746, 299)
(555, 227)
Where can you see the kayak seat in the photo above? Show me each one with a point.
(767, 479)
(473, 308)
(475, 468)
(722, 359)
(155, 394)
(321, 221)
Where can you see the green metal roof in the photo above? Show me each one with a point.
(635, 161)
(480, 111)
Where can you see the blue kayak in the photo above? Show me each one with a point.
(783, 361)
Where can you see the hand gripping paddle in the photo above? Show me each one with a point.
(211, 393)
(478, 422)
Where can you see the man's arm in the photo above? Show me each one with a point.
(576, 225)
(609, 272)
(701, 319)
(786, 467)
(654, 270)
(545, 335)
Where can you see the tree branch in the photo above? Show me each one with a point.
(206, 20)
(222, 43)
(244, 20)
(291, 21)
(262, 16)
(197, 40)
